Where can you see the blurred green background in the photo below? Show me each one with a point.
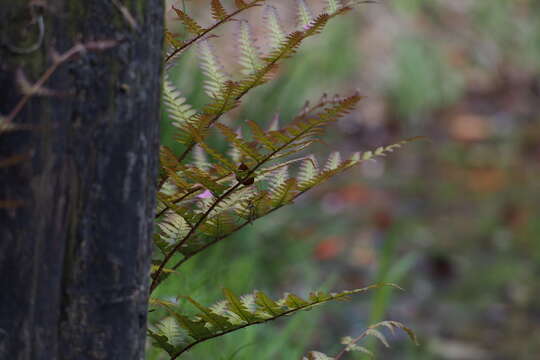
(455, 221)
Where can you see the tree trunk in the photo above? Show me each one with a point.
(75, 242)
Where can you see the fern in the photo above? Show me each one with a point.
(206, 194)
(236, 313)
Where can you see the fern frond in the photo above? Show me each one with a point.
(218, 11)
(235, 91)
(304, 14)
(212, 68)
(303, 131)
(351, 344)
(178, 109)
(273, 24)
(204, 32)
(286, 49)
(249, 53)
(235, 313)
(191, 25)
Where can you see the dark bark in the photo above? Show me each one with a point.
(75, 256)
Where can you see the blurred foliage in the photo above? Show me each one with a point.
(459, 217)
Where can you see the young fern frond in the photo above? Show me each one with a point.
(235, 313)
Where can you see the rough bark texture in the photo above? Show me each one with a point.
(75, 257)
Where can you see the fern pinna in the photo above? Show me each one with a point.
(205, 195)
